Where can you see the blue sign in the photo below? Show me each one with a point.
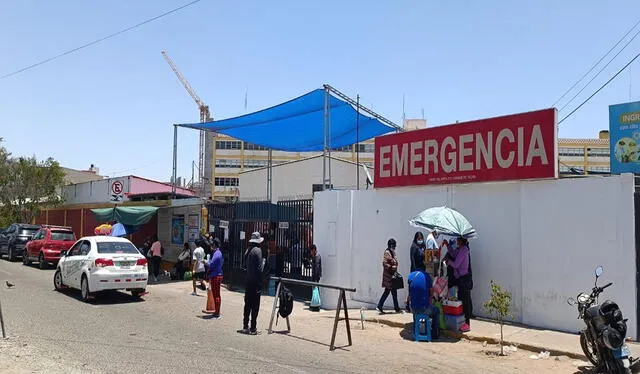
(624, 137)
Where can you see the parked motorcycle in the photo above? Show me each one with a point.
(603, 339)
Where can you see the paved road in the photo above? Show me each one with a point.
(55, 332)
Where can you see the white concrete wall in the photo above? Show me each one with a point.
(540, 239)
(93, 192)
(297, 178)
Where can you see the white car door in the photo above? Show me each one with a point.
(66, 264)
(73, 263)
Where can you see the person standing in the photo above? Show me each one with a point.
(197, 266)
(389, 268)
(416, 254)
(215, 275)
(316, 264)
(156, 256)
(461, 266)
(316, 274)
(183, 262)
(253, 288)
(434, 253)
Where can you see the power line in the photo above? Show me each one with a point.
(599, 89)
(97, 41)
(601, 70)
(596, 64)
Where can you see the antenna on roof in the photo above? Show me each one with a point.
(422, 113)
(246, 94)
(404, 117)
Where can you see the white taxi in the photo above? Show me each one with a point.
(100, 263)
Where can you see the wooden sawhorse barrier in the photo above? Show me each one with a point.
(342, 305)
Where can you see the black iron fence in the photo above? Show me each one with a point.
(286, 226)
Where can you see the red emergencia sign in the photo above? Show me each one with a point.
(519, 146)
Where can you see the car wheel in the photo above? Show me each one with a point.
(11, 254)
(84, 289)
(57, 281)
(25, 259)
(42, 264)
(137, 293)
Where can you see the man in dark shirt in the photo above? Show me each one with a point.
(253, 287)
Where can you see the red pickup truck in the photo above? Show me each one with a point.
(46, 245)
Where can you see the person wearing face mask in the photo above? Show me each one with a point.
(389, 268)
(416, 253)
(431, 244)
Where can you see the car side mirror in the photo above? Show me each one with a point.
(63, 253)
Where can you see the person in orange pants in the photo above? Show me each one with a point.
(215, 276)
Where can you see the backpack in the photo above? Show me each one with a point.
(285, 306)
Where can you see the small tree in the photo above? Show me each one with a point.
(499, 307)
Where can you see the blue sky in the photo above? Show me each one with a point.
(113, 104)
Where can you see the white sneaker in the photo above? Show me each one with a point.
(194, 294)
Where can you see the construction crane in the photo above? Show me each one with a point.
(205, 116)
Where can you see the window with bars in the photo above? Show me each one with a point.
(571, 151)
(228, 144)
(226, 182)
(598, 152)
(366, 148)
(343, 149)
(227, 163)
(254, 147)
(252, 164)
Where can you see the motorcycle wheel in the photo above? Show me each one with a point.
(589, 350)
(620, 369)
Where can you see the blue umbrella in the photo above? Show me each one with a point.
(118, 230)
(445, 220)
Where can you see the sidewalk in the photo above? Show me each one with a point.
(531, 339)
(525, 338)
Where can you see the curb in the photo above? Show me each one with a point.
(489, 340)
(459, 335)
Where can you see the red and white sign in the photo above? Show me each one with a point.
(116, 187)
(519, 146)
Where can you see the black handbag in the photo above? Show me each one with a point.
(397, 281)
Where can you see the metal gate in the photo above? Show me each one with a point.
(287, 228)
(294, 238)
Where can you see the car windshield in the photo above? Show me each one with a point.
(117, 247)
(66, 236)
(27, 231)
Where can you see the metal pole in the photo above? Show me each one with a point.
(4, 333)
(270, 175)
(324, 137)
(329, 137)
(193, 166)
(363, 108)
(175, 159)
(358, 141)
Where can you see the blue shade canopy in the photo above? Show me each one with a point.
(298, 125)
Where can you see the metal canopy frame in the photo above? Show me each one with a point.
(326, 152)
